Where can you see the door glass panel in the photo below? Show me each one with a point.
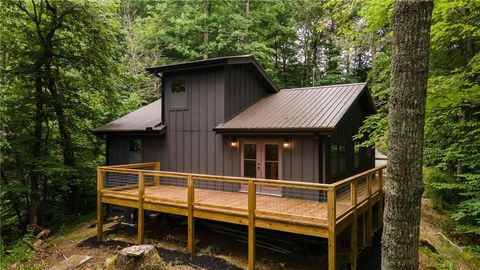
(250, 151)
(271, 152)
(271, 161)
(271, 170)
(250, 168)
(250, 160)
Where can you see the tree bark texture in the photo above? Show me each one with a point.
(404, 186)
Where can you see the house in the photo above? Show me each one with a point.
(224, 143)
(226, 116)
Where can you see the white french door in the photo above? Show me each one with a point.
(262, 158)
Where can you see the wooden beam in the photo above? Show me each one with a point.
(252, 193)
(156, 178)
(141, 218)
(332, 238)
(191, 220)
(353, 231)
(380, 201)
(369, 225)
(99, 204)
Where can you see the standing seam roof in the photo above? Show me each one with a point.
(147, 118)
(312, 108)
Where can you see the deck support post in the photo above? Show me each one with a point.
(156, 178)
(369, 225)
(141, 218)
(191, 220)
(332, 235)
(353, 227)
(252, 193)
(99, 204)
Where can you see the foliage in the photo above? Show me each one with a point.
(452, 128)
(18, 252)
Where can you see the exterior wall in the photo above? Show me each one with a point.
(348, 127)
(191, 143)
(118, 148)
(242, 89)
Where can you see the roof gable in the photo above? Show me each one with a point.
(215, 62)
(312, 109)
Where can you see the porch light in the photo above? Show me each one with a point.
(234, 143)
(286, 144)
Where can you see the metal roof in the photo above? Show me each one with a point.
(228, 60)
(145, 119)
(312, 109)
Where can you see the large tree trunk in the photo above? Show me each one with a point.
(404, 187)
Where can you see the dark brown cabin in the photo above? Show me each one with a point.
(226, 116)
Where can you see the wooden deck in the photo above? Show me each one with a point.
(331, 209)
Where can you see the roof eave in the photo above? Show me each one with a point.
(226, 131)
(157, 131)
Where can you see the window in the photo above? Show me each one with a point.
(178, 86)
(356, 158)
(135, 153)
(178, 94)
(338, 156)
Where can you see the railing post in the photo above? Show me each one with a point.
(252, 193)
(369, 225)
(156, 178)
(141, 218)
(99, 204)
(191, 220)
(353, 230)
(332, 223)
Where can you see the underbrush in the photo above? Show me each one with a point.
(457, 198)
(18, 252)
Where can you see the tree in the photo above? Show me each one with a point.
(404, 186)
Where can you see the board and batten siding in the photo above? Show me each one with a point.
(119, 148)
(348, 127)
(242, 89)
(191, 143)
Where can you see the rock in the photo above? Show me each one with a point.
(72, 262)
(37, 245)
(136, 251)
(143, 257)
(43, 234)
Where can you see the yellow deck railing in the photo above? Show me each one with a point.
(322, 210)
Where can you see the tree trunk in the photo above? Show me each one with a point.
(37, 145)
(207, 10)
(247, 15)
(66, 142)
(404, 187)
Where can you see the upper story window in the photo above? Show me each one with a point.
(178, 94)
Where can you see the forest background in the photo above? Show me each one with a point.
(67, 67)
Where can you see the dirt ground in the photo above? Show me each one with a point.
(217, 246)
(224, 246)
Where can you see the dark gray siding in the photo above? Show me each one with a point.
(348, 127)
(191, 143)
(242, 89)
(119, 148)
(301, 163)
